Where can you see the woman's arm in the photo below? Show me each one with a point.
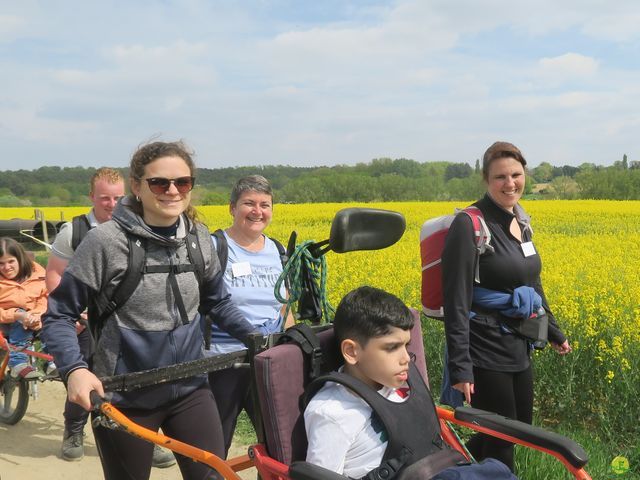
(458, 271)
(65, 305)
(215, 300)
(290, 320)
(42, 301)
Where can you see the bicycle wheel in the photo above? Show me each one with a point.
(14, 400)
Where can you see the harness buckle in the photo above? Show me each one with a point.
(316, 362)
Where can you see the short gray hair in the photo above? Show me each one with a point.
(255, 183)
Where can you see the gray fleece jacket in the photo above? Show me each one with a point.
(147, 331)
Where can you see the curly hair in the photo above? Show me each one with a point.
(148, 153)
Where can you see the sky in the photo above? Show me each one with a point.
(310, 83)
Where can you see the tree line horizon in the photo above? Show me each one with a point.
(380, 180)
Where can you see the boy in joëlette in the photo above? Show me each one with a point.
(377, 412)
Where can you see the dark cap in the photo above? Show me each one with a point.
(501, 150)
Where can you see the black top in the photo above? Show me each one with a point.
(480, 341)
(167, 232)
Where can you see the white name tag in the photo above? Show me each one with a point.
(241, 269)
(528, 249)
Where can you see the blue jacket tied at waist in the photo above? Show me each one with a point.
(522, 303)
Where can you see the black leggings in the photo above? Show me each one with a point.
(231, 388)
(506, 393)
(193, 419)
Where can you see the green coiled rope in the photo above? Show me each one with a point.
(292, 275)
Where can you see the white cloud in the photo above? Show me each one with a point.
(424, 79)
(30, 126)
(175, 52)
(129, 68)
(569, 64)
(10, 25)
(337, 53)
(617, 26)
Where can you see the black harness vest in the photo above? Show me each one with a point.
(412, 426)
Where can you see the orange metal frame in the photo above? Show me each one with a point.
(448, 416)
(270, 469)
(226, 469)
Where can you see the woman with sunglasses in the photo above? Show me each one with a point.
(159, 325)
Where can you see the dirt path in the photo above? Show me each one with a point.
(31, 449)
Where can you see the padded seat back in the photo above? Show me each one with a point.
(281, 378)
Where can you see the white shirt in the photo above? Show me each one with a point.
(61, 246)
(340, 432)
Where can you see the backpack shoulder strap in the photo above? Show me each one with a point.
(480, 229)
(284, 258)
(136, 267)
(222, 248)
(482, 236)
(195, 255)
(476, 216)
(126, 287)
(80, 226)
(303, 336)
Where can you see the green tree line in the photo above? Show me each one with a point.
(381, 179)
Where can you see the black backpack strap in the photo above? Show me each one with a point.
(136, 267)
(175, 288)
(302, 335)
(195, 255)
(131, 279)
(222, 249)
(80, 226)
(284, 258)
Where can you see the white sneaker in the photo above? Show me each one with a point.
(24, 370)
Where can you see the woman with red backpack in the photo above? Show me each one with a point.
(489, 358)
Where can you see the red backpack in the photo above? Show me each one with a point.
(432, 238)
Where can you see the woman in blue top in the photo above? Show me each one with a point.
(253, 266)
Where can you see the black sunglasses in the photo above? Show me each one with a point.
(160, 185)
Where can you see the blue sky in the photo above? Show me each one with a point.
(318, 82)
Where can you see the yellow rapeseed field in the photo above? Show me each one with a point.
(590, 251)
(591, 275)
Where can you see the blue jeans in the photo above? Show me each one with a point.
(19, 337)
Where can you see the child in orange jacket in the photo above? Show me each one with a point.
(23, 300)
